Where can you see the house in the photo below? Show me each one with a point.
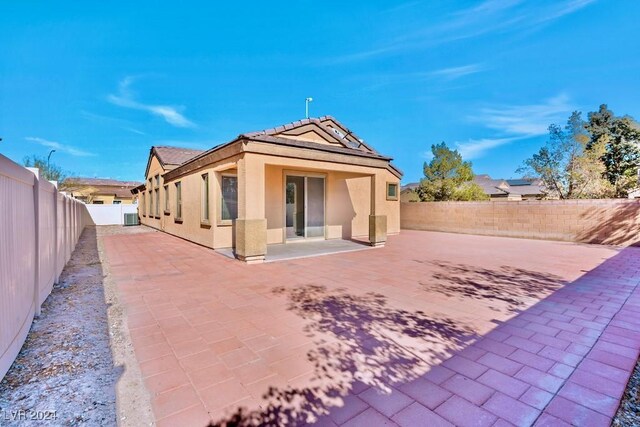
(511, 189)
(408, 192)
(310, 179)
(100, 191)
(508, 189)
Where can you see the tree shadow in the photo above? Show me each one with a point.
(357, 338)
(617, 224)
(512, 286)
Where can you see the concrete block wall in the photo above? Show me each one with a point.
(601, 221)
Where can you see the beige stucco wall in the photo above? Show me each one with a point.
(348, 198)
(347, 202)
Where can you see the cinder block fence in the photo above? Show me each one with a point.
(39, 228)
(603, 221)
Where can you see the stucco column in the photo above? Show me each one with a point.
(251, 225)
(377, 221)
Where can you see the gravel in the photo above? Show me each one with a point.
(65, 371)
(629, 412)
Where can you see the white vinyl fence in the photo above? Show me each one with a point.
(39, 228)
(110, 214)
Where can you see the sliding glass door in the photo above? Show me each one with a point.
(304, 207)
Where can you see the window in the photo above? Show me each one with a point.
(98, 202)
(143, 205)
(229, 208)
(178, 201)
(166, 199)
(157, 203)
(117, 202)
(150, 197)
(392, 191)
(205, 198)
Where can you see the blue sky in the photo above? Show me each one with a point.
(104, 81)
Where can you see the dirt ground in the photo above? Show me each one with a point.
(77, 361)
(629, 412)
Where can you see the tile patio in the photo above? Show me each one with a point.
(433, 329)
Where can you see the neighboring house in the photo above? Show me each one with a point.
(408, 192)
(508, 189)
(511, 189)
(311, 179)
(100, 191)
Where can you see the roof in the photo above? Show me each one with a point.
(523, 182)
(336, 138)
(171, 157)
(101, 182)
(122, 193)
(328, 126)
(492, 187)
(174, 155)
(410, 186)
(504, 187)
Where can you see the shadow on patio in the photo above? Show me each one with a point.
(516, 288)
(527, 368)
(361, 339)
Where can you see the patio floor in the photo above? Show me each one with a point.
(306, 249)
(433, 329)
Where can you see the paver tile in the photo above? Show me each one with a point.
(476, 339)
(504, 383)
(463, 413)
(512, 410)
(474, 392)
(416, 415)
(425, 392)
(387, 404)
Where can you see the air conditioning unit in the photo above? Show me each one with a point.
(131, 219)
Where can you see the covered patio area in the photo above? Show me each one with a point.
(306, 249)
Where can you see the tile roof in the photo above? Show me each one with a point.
(175, 155)
(101, 182)
(502, 187)
(331, 128)
(328, 125)
(122, 193)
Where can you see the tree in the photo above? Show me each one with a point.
(617, 141)
(567, 168)
(48, 171)
(448, 177)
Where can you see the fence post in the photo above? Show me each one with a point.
(36, 216)
(56, 256)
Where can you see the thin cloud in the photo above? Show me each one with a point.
(171, 114)
(475, 148)
(443, 74)
(112, 121)
(457, 72)
(490, 16)
(63, 148)
(515, 123)
(529, 120)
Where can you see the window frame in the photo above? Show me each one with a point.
(178, 217)
(143, 204)
(389, 186)
(205, 205)
(150, 198)
(220, 220)
(167, 200)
